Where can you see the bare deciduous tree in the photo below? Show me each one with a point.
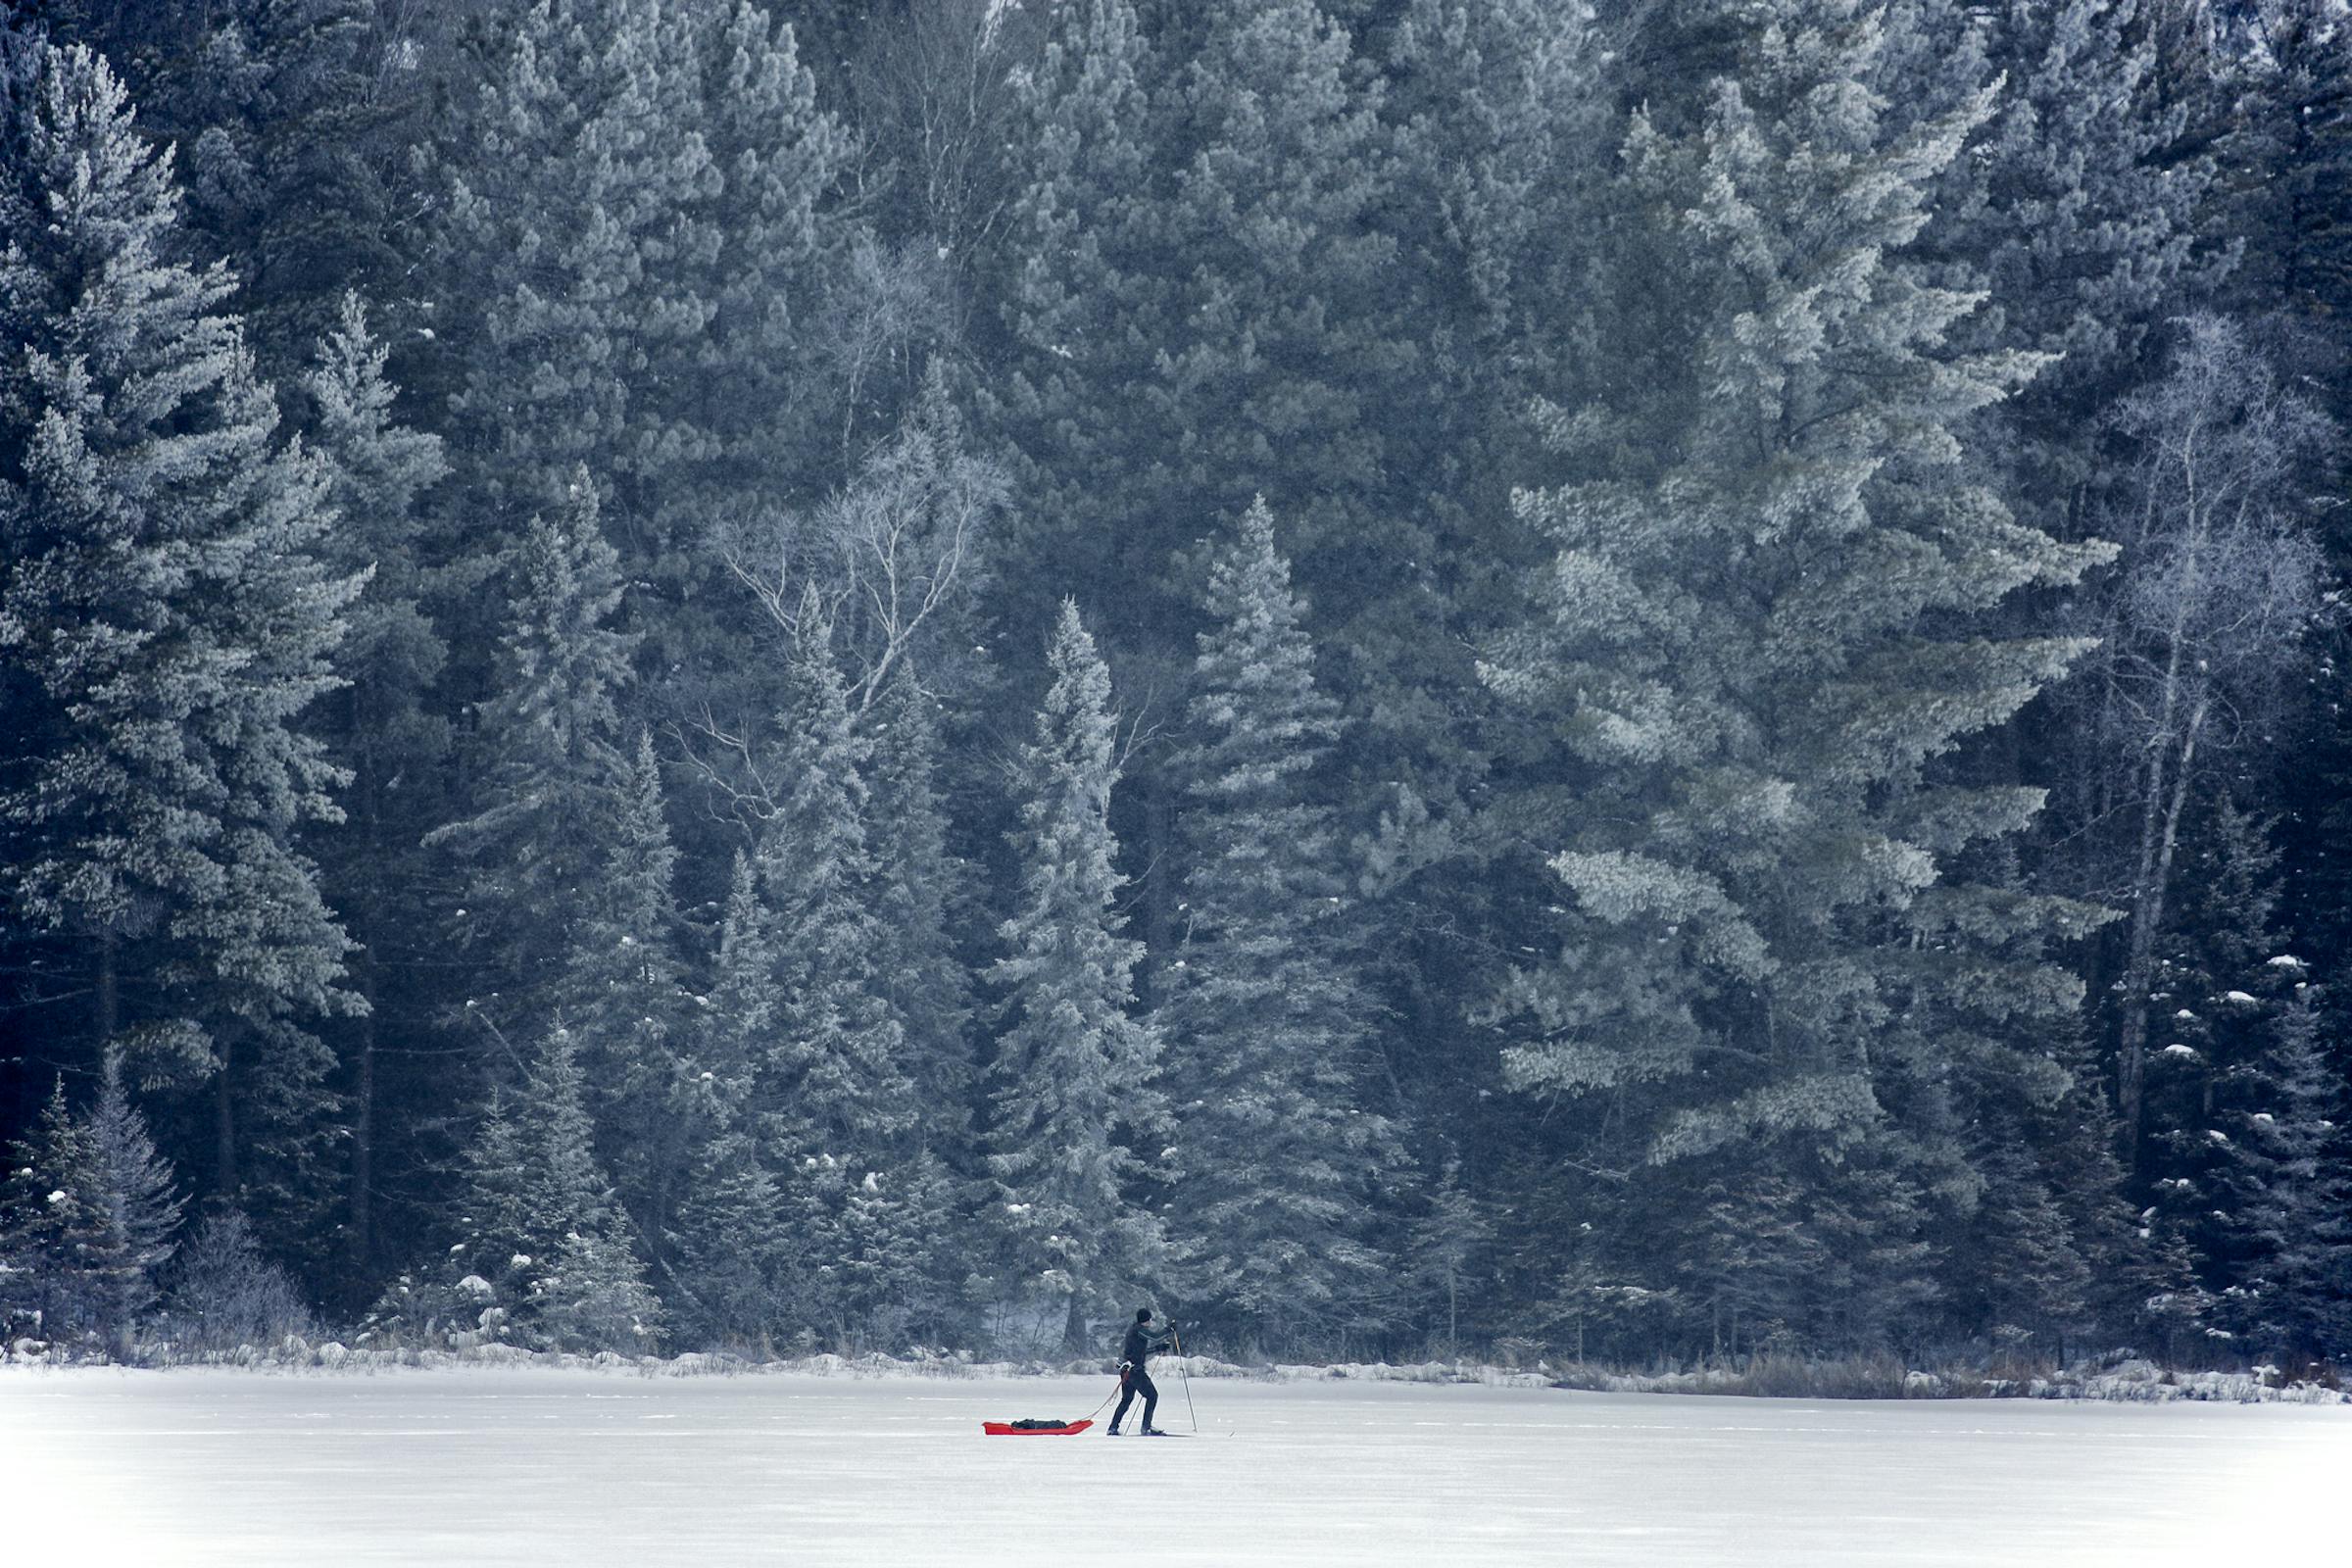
(874, 567)
(2202, 619)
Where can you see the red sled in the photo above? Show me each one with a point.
(1034, 1429)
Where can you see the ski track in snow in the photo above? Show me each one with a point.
(478, 1467)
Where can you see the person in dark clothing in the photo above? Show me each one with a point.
(1133, 1354)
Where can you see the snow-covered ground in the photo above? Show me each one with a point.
(481, 1466)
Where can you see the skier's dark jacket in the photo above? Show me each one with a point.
(1140, 1344)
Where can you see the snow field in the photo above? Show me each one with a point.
(477, 1467)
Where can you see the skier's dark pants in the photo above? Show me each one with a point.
(1137, 1381)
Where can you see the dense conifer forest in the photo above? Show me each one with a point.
(1646, 681)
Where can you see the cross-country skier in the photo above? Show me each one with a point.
(1138, 1349)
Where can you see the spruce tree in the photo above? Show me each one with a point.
(2289, 169)
(127, 1195)
(832, 1076)
(1084, 295)
(588, 1292)
(1071, 1085)
(1206, 307)
(902, 1269)
(2239, 1169)
(1441, 1249)
(543, 1249)
(829, 1097)
(921, 896)
(726, 1260)
(550, 774)
(164, 619)
(1267, 1026)
(624, 988)
(382, 726)
(2285, 1189)
(86, 1216)
(1756, 643)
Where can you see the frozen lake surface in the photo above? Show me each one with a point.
(488, 1466)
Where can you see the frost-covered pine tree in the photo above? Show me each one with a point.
(43, 1222)
(87, 1213)
(2077, 211)
(1072, 1086)
(127, 1197)
(1205, 305)
(165, 621)
(902, 1266)
(832, 1077)
(1758, 637)
(922, 890)
(625, 995)
(544, 1249)
(633, 219)
(287, 128)
(721, 1252)
(1441, 1247)
(1266, 1027)
(2285, 1189)
(830, 1097)
(381, 726)
(2242, 1107)
(1080, 297)
(725, 1264)
(2289, 166)
(551, 776)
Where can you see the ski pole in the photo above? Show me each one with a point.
(1183, 1377)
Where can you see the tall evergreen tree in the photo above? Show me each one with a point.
(636, 249)
(832, 1077)
(164, 617)
(625, 994)
(725, 1260)
(2078, 212)
(2289, 167)
(1756, 644)
(830, 1095)
(2242, 1107)
(1072, 1082)
(550, 773)
(288, 125)
(45, 1224)
(382, 727)
(921, 894)
(1280, 1157)
(1206, 305)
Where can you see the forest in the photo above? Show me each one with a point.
(1647, 682)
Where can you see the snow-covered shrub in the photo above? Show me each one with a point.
(225, 1293)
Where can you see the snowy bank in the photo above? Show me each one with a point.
(2127, 1381)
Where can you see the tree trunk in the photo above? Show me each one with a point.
(110, 1000)
(224, 1129)
(362, 1140)
(2160, 837)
